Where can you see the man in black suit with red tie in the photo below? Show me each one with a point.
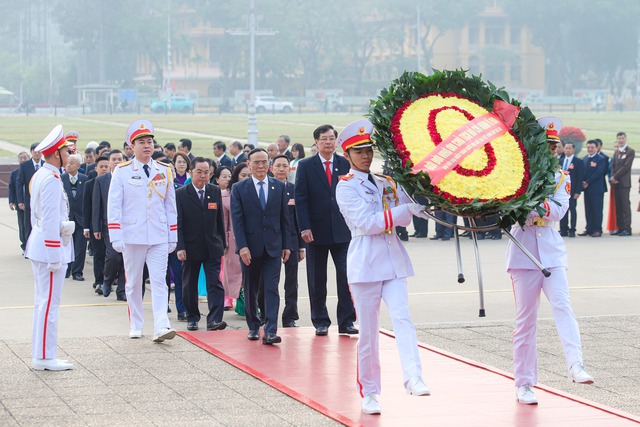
(324, 230)
(260, 220)
(201, 243)
(575, 166)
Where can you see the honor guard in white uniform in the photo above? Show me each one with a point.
(377, 263)
(541, 239)
(50, 249)
(142, 223)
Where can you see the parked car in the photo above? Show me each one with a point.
(178, 104)
(271, 103)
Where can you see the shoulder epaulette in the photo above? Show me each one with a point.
(346, 177)
(125, 163)
(166, 165)
(56, 174)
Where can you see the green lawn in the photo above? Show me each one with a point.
(24, 130)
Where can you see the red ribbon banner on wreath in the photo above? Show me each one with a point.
(466, 139)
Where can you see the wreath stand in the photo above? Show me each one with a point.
(473, 229)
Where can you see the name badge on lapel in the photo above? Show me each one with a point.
(292, 202)
(212, 206)
(593, 164)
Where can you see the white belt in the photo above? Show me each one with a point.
(540, 222)
(361, 232)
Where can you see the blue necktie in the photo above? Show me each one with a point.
(566, 164)
(263, 200)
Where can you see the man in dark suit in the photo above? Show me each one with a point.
(201, 243)
(89, 163)
(101, 168)
(621, 183)
(281, 169)
(238, 154)
(575, 167)
(593, 187)
(184, 146)
(260, 220)
(73, 183)
(113, 262)
(23, 194)
(283, 146)
(220, 151)
(324, 230)
(13, 197)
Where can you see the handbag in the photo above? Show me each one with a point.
(240, 303)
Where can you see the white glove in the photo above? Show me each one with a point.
(66, 240)
(54, 266)
(172, 247)
(418, 210)
(118, 246)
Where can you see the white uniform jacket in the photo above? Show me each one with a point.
(539, 235)
(375, 252)
(142, 210)
(49, 207)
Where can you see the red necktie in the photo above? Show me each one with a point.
(327, 170)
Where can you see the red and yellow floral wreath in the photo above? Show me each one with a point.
(499, 170)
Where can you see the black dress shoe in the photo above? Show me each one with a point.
(420, 236)
(584, 233)
(106, 290)
(67, 275)
(446, 238)
(614, 233)
(321, 331)
(291, 324)
(253, 335)
(350, 330)
(95, 285)
(98, 289)
(78, 277)
(216, 326)
(403, 237)
(192, 325)
(435, 237)
(121, 298)
(168, 309)
(572, 234)
(564, 234)
(270, 339)
(413, 235)
(624, 233)
(182, 317)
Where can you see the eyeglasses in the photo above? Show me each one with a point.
(331, 139)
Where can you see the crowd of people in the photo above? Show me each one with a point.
(222, 227)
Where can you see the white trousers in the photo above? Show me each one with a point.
(46, 301)
(367, 298)
(527, 285)
(156, 257)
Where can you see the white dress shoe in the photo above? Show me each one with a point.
(525, 395)
(370, 404)
(164, 334)
(135, 333)
(416, 387)
(51, 364)
(577, 374)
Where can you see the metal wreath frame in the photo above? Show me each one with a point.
(475, 228)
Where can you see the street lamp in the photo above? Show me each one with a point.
(252, 32)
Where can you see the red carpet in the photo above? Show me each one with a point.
(320, 372)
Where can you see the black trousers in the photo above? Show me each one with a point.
(569, 224)
(290, 312)
(317, 257)
(268, 268)
(215, 290)
(80, 250)
(593, 203)
(114, 267)
(99, 254)
(23, 240)
(623, 208)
